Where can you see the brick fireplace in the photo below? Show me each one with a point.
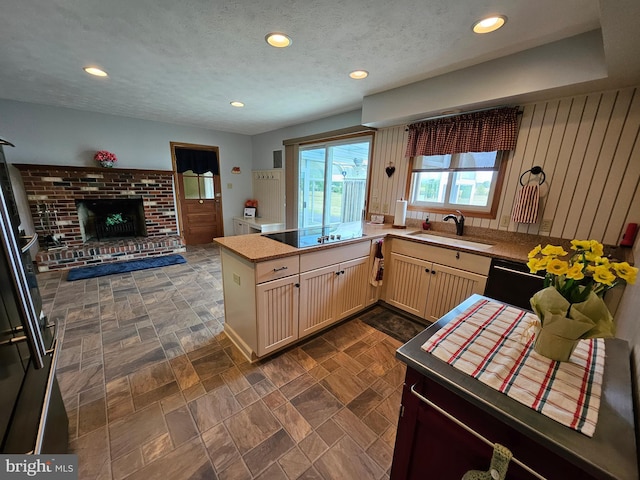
(66, 204)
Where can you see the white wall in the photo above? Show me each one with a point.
(265, 144)
(557, 65)
(59, 136)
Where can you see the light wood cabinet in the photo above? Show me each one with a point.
(427, 282)
(408, 283)
(277, 313)
(318, 299)
(449, 287)
(332, 293)
(351, 287)
(272, 304)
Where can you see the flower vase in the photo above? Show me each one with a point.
(553, 346)
(563, 324)
(106, 163)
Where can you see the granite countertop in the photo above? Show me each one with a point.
(503, 244)
(609, 454)
(257, 248)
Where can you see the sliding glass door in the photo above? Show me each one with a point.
(333, 181)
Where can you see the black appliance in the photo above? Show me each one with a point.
(32, 415)
(314, 236)
(511, 282)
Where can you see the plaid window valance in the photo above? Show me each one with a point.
(485, 131)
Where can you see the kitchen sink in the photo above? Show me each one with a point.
(456, 242)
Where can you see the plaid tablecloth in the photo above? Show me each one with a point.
(493, 343)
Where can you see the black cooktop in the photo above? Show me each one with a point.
(314, 236)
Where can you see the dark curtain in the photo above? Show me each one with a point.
(199, 161)
(485, 131)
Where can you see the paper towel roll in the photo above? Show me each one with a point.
(401, 214)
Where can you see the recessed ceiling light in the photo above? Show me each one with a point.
(489, 24)
(278, 40)
(95, 71)
(359, 74)
(237, 104)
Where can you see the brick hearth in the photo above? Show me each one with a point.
(55, 189)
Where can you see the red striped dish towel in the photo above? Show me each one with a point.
(489, 341)
(525, 209)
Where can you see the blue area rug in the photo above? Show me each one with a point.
(82, 273)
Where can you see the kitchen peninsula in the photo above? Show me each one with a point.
(276, 294)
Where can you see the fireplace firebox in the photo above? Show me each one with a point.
(102, 219)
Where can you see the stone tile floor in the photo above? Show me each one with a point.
(154, 389)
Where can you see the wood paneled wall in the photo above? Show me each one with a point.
(589, 149)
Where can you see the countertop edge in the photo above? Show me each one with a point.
(274, 249)
(506, 250)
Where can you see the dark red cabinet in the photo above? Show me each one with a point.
(431, 446)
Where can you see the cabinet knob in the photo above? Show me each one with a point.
(337, 273)
(297, 285)
(426, 270)
(342, 272)
(433, 272)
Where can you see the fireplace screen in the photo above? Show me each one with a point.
(102, 219)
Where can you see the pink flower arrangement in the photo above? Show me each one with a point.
(104, 156)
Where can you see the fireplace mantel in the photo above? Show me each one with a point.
(78, 168)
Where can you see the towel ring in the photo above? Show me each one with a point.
(535, 171)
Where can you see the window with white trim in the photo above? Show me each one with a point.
(461, 181)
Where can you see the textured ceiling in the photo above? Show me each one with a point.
(183, 62)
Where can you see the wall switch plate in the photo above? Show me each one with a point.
(505, 220)
(545, 225)
(229, 186)
(236, 279)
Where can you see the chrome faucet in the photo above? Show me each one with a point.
(459, 221)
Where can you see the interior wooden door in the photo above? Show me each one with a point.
(199, 196)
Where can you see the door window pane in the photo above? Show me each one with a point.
(190, 183)
(198, 187)
(207, 190)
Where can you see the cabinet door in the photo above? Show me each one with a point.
(407, 283)
(277, 313)
(448, 288)
(239, 227)
(352, 287)
(317, 299)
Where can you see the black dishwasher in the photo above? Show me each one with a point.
(511, 282)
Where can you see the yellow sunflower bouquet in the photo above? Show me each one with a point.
(570, 307)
